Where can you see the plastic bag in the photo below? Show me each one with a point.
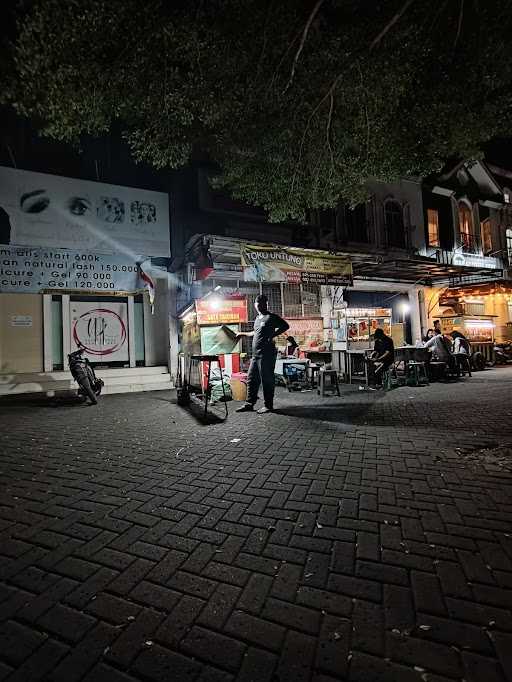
(217, 394)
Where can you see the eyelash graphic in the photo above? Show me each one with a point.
(34, 202)
(79, 206)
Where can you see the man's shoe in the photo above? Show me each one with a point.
(264, 410)
(245, 408)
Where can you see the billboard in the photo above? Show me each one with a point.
(37, 209)
(29, 271)
(295, 266)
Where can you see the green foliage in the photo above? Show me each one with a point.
(289, 128)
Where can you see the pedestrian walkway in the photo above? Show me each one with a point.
(366, 537)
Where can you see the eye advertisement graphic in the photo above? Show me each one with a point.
(37, 210)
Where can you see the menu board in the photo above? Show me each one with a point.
(307, 331)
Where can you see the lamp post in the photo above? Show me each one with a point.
(405, 309)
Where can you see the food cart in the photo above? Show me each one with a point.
(208, 335)
(352, 337)
(479, 331)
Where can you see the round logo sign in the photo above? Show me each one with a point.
(100, 331)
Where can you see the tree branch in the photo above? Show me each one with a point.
(367, 117)
(329, 93)
(459, 26)
(328, 130)
(305, 32)
(390, 24)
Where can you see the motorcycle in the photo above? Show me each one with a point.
(83, 373)
(502, 353)
(478, 362)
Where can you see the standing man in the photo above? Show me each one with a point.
(267, 326)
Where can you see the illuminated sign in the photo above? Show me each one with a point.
(220, 310)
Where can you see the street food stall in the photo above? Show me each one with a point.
(218, 299)
(479, 331)
(209, 347)
(352, 334)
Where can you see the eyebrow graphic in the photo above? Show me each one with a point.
(27, 195)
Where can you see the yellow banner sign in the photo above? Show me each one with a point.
(288, 264)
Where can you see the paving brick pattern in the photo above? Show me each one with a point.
(340, 539)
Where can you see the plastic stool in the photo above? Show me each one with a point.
(418, 372)
(334, 383)
(390, 378)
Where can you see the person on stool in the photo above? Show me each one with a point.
(292, 347)
(383, 355)
(267, 326)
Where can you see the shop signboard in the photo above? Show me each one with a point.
(221, 310)
(31, 270)
(450, 324)
(21, 320)
(102, 328)
(295, 266)
(55, 212)
(307, 331)
(468, 260)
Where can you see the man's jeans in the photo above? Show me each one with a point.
(261, 371)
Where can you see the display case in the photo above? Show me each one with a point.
(477, 329)
(353, 328)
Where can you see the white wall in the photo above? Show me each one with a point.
(156, 325)
(21, 347)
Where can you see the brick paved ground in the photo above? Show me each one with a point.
(357, 538)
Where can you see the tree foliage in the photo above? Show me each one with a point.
(298, 103)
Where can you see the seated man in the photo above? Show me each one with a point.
(382, 357)
(440, 348)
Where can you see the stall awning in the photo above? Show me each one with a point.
(418, 269)
(501, 287)
(225, 254)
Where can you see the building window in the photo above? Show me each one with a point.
(394, 221)
(356, 224)
(433, 227)
(486, 236)
(467, 239)
(508, 235)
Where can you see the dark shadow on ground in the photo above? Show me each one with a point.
(25, 402)
(340, 413)
(214, 415)
(379, 413)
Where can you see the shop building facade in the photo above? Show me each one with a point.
(71, 259)
(408, 245)
(401, 251)
(468, 223)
